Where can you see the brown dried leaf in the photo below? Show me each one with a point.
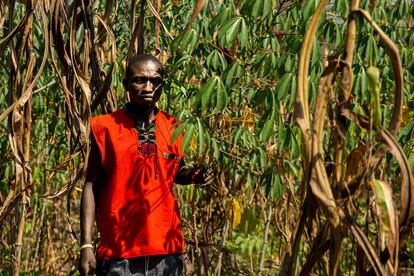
(301, 104)
(387, 217)
(369, 250)
(27, 93)
(355, 162)
(407, 181)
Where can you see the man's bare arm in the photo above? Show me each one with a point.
(88, 203)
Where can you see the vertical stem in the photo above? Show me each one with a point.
(20, 131)
(346, 86)
(132, 15)
(223, 241)
(158, 50)
(196, 248)
(266, 234)
(288, 266)
(349, 53)
(141, 23)
(335, 251)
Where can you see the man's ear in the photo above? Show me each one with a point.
(125, 83)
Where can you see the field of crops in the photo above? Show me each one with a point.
(303, 108)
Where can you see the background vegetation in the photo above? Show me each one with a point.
(312, 148)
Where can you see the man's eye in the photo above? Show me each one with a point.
(139, 80)
(156, 81)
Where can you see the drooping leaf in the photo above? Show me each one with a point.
(257, 8)
(267, 130)
(188, 136)
(220, 18)
(387, 217)
(221, 96)
(206, 92)
(308, 9)
(229, 31)
(201, 137)
(233, 73)
(316, 54)
(373, 81)
(243, 35)
(283, 86)
(177, 132)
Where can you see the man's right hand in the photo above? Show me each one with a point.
(87, 262)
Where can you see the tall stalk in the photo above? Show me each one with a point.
(266, 233)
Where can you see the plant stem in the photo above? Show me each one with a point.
(223, 240)
(266, 234)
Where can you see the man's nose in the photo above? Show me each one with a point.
(148, 86)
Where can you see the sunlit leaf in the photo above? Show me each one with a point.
(283, 86)
(188, 136)
(178, 131)
(267, 130)
(206, 92)
(373, 75)
(256, 8)
(316, 54)
(308, 9)
(233, 73)
(243, 35)
(221, 17)
(387, 216)
(229, 31)
(201, 137)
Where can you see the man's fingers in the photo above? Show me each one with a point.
(209, 178)
(207, 182)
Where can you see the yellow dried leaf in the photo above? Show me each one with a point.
(193, 144)
(233, 212)
(236, 213)
(225, 122)
(248, 119)
(406, 116)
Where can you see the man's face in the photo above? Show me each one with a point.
(144, 84)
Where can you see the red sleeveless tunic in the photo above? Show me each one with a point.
(138, 213)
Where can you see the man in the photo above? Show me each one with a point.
(132, 166)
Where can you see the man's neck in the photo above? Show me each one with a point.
(142, 113)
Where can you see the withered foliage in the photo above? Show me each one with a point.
(338, 192)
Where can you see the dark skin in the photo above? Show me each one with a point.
(144, 85)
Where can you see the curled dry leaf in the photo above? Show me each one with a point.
(387, 217)
(395, 59)
(367, 247)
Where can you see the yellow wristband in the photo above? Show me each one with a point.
(86, 245)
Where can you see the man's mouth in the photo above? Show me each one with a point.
(147, 96)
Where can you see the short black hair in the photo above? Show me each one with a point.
(142, 57)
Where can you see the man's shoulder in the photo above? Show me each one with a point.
(168, 117)
(105, 119)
